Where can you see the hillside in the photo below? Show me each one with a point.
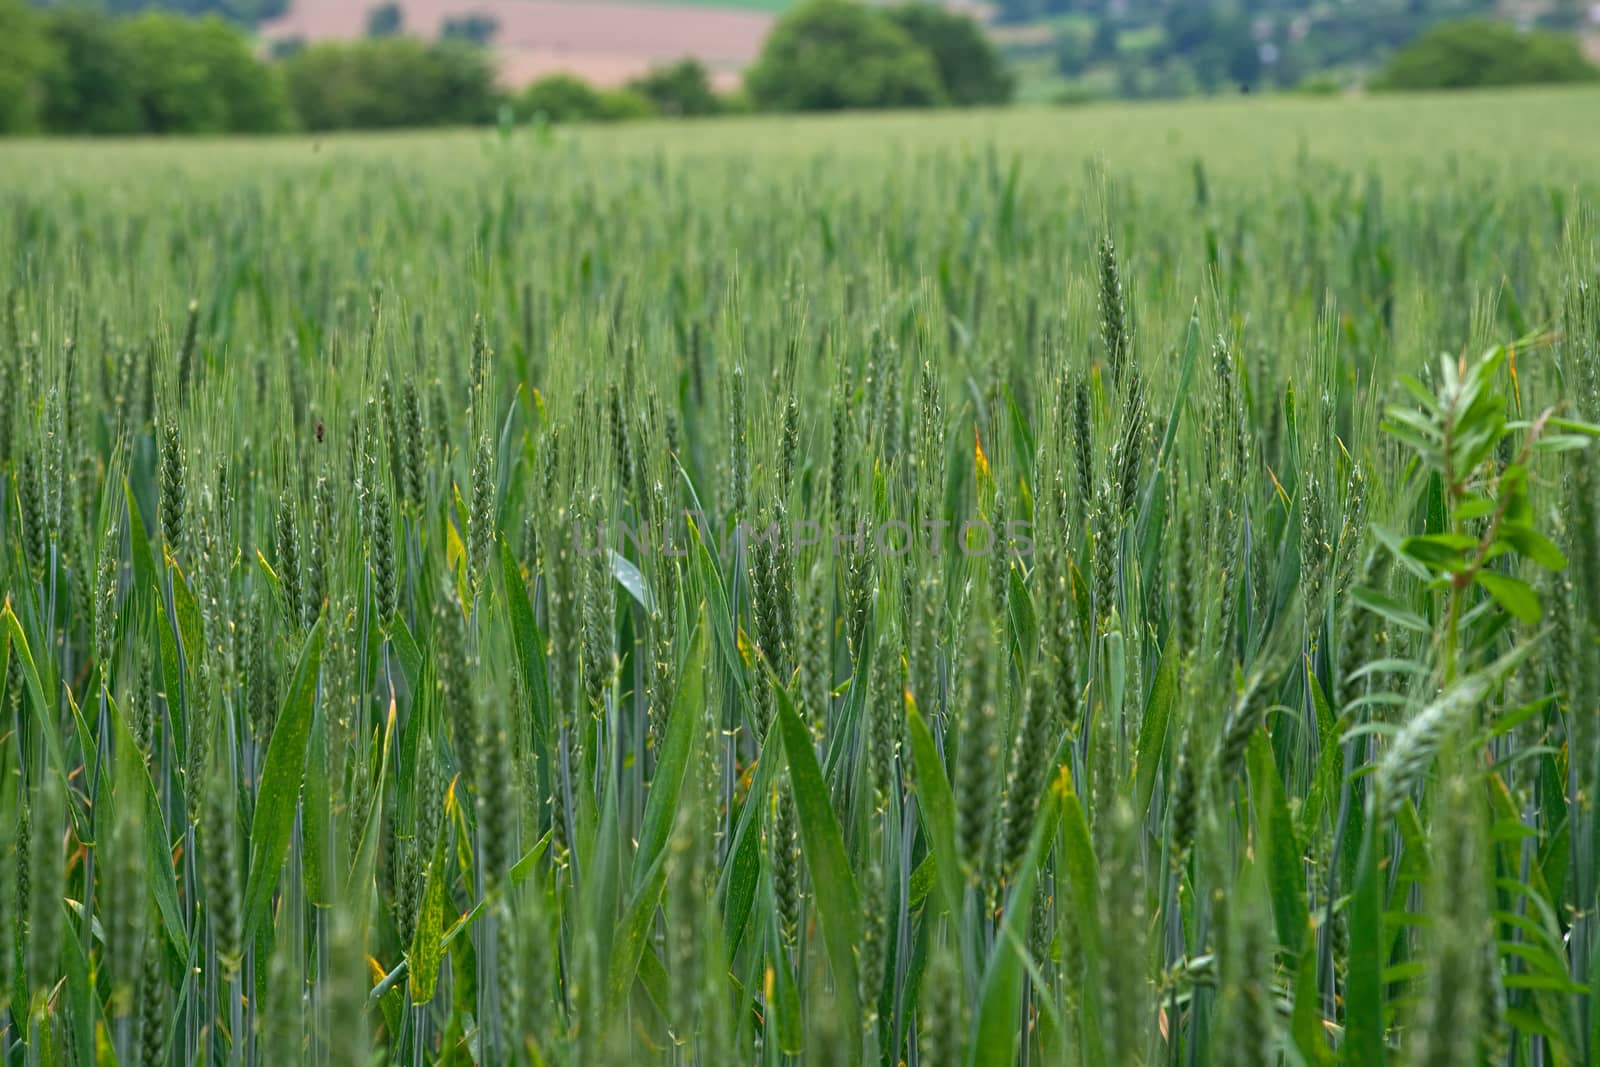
(1086, 49)
(605, 43)
(1062, 50)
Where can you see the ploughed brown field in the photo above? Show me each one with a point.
(602, 42)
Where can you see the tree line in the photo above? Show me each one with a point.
(132, 68)
(82, 69)
(1170, 48)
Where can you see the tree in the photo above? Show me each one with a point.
(200, 76)
(245, 11)
(1105, 43)
(560, 98)
(826, 55)
(461, 84)
(621, 105)
(393, 82)
(26, 56)
(1480, 52)
(477, 28)
(970, 67)
(565, 98)
(91, 89)
(684, 88)
(1017, 10)
(1243, 54)
(385, 20)
(1072, 53)
(1189, 26)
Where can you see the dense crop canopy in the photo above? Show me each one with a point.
(875, 592)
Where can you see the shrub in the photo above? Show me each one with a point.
(1481, 52)
(1078, 94)
(970, 67)
(245, 11)
(826, 55)
(385, 20)
(461, 85)
(561, 98)
(391, 83)
(619, 105)
(476, 28)
(568, 98)
(683, 88)
(1324, 84)
(737, 102)
(90, 89)
(26, 54)
(200, 76)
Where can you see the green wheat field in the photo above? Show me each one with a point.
(1093, 587)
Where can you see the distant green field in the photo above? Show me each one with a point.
(1522, 130)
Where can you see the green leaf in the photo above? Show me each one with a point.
(923, 879)
(629, 941)
(172, 679)
(1575, 426)
(1513, 594)
(191, 627)
(937, 805)
(79, 999)
(1390, 609)
(157, 849)
(144, 562)
(391, 1003)
(1533, 545)
(1445, 552)
(717, 605)
(1152, 501)
(1364, 1026)
(271, 577)
(600, 859)
(1420, 393)
(653, 976)
(1153, 730)
(838, 904)
(1022, 439)
(994, 1041)
(1024, 622)
(316, 853)
(1512, 309)
(280, 785)
(1305, 1024)
(358, 886)
(686, 717)
(427, 948)
(519, 873)
(42, 709)
(741, 871)
(1277, 845)
(407, 652)
(1083, 896)
(1191, 349)
(785, 1000)
(1562, 442)
(530, 645)
(1330, 760)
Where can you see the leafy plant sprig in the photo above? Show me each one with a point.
(1458, 433)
